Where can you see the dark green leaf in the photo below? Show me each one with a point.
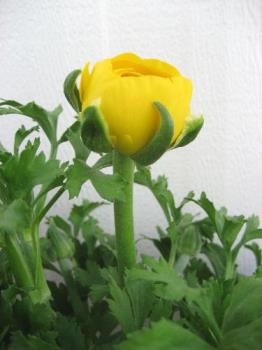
(70, 335)
(95, 132)
(20, 342)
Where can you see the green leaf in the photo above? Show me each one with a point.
(164, 335)
(95, 132)
(70, 335)
(168, 284)
(160, 190)
(131, 305)
(73, 135)
(244, 304)
(77, 175)
(257, 251)
(71, 91)
(46, 119)
(20, 342)
(227, 227)
(217, 257)
(20, 136)
(109, 187)
(22, 173)
(252, 230)
(191, 130)
(246, 337)
(160, 142)
(15, 217)
(141, 298)
(80, 213)
(104, 162)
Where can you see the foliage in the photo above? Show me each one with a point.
(191, 297)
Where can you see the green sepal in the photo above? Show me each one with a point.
(189, 133)
(71, 91)
(160, 142)
(94, 132)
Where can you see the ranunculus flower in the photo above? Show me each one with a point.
(125, 88)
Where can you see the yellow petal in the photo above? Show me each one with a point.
(127, 105)
(101, 75)
(143, 66)
(84, 82)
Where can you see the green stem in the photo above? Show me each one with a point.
(172, 256)
(230, 267)
(123, 210)
(18, 263)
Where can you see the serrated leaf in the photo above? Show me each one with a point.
(168, 284)
(20, 136)
(70, 335)
(109, 187)
(80, 213)
(31, 342)
(164, 335)
(22, 173)
(132, 304)
(46, 119)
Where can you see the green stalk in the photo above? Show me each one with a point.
(41, 288)
(18, 263)
(123, 211)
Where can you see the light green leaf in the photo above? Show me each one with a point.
(15, 217)
(245, 304)
(164, 335)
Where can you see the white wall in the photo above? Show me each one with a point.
(218, 43)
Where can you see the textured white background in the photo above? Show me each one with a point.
(217, 43)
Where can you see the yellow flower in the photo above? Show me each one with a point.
(125, 88)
